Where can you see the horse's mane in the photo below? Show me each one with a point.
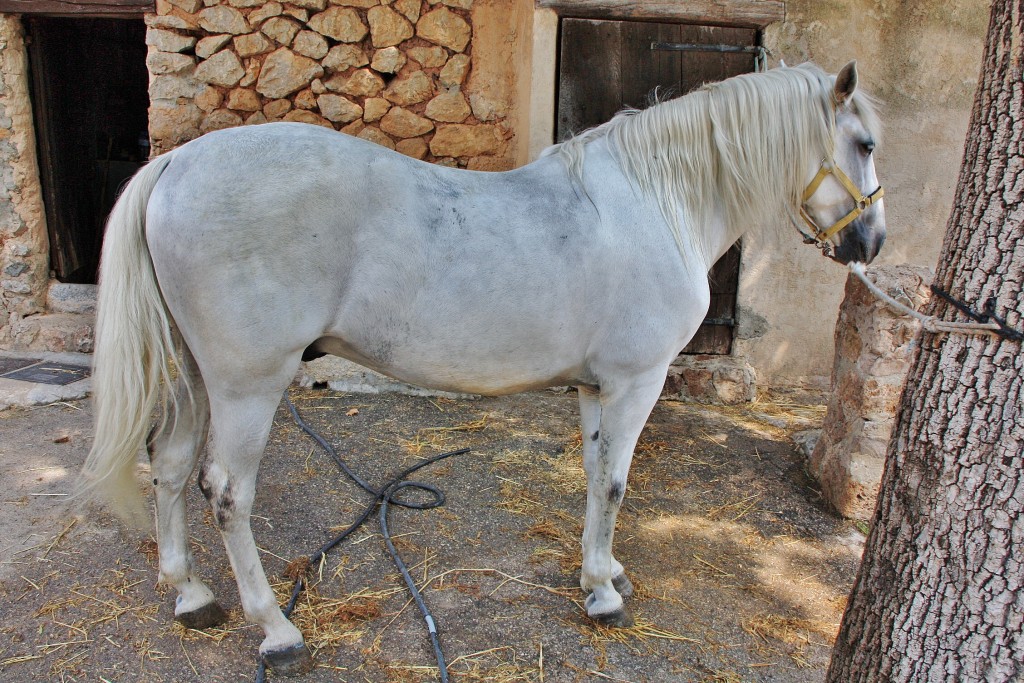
(736, 150)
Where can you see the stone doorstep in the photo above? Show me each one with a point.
(16, 393)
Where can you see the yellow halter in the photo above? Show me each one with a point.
(822, 235)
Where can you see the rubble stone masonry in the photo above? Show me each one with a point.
(395, 72)
(24, 248)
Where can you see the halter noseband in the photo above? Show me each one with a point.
(822, 235)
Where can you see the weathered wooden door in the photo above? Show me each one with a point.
(607, 65)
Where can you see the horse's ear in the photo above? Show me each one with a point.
(846, 82)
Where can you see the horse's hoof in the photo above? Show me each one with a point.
(620, 618)
(209, 615)
(291, 661)
(622, 585)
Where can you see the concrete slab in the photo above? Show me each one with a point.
(18, 393)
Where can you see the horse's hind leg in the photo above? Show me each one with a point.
(174, 448)
(239, 430)
(623, 410)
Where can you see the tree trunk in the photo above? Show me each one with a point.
(940, 593)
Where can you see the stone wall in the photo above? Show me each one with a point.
(393, 72)
(873, 348)
(24, 257)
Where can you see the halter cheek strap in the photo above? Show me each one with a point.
(861, 203)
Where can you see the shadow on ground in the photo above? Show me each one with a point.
(740, 573)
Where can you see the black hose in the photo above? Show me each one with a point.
(385, 497)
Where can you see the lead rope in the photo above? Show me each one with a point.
(385, 497)
(987, 322)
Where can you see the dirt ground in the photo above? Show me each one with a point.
(740, 573)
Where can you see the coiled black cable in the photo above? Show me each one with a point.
(384, 496)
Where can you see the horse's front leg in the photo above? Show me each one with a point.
(612, 422)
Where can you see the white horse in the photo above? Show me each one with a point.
(239, 252)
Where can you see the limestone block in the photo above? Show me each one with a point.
(245, 3)
(449, 107)
(223, 19)
(252, 44)
(208, 46)
(62, 297)
(338, 109)
(297, 13)
(160, 63)
(223, 69)
(374, 108)
(284, 72)
(389, 60)
(428, 57)
(243, 99)
(387, 27)
(413, 147)
(315, 5)
(169, 41)
(219, 119)
(208, 98)
(252, 73)
(187, 6)
(402, 123)
(173, 124)
(172, 86)
(277, 108)
(410, 9)
(280, 29)
(458, 140)
(362, 83)
(365, 4)
(342, 57)
(304, 116)
(310, 44)
(454, 72)
(169, 21)
(318, 87)
(410, 89)
(270, 9)
(340, 23)
(443, 27)
(873, 349)
(376, 135)
(305, 99)
(256, 119)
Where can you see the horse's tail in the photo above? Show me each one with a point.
(134, 345)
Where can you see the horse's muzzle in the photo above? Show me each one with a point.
(860, 242)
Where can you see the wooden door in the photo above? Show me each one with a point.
(607, 65)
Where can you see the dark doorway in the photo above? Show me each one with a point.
(607, 65)
(90, 99)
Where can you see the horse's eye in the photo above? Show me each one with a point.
(867, 147)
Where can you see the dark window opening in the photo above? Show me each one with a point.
(90, 102)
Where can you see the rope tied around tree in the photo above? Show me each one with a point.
(986, 322)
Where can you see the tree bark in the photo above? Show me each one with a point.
(940, 592)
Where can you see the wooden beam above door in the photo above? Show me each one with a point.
(92, 8)
(750, 13)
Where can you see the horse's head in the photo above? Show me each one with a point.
(843, 200)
